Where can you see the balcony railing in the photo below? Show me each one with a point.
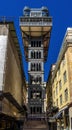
(36, 100)
(37, 116)
(36, 21)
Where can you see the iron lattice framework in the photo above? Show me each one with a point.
(36, 25)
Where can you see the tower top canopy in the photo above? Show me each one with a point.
(36, 23)
(44, 8)
(43, 11)
(26, 8)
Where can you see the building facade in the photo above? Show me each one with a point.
(36, 27)
(11, 78)
(49, 88)
(50, 109)
(62, 83)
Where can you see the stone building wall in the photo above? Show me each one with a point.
(12, 76)
(69, 59)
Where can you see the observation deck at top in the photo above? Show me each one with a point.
(36, 23)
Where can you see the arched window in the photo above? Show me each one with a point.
(39, 55)
(39, 66)
(31, 67)
(37, 79)
(31, 43)
(39, 43)
(34, 66)
(40, 79)
(32, 55)
(34, 79)
(31, 79)
(34, 43)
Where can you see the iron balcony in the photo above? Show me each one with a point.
(46, 21)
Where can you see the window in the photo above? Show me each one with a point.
(39, 55)
(39, 79)
(54, 94)
(31, 66)
(44, 13)
(27, 13)
(66, 95)
(32, 44)
(60, 85)
(34, 55)
(57, 102)
(35, 67)
(63, 60)
(39, 67)
(31, 54)
(57, 88)
(39, 43)
(35, 43)
(35, 13)
(60, 99)
(65, 76)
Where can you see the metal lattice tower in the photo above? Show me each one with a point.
(36, 25)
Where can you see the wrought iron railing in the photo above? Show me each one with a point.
(37, 116)
(36, 21)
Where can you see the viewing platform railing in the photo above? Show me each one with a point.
(36, 21)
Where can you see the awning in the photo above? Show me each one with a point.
(11, 99)
(59, 114)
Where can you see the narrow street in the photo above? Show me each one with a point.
(29, 99)
(35, 125)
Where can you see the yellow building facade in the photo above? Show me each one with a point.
(62, 82)
(49, 88)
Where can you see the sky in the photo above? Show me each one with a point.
(61, 12)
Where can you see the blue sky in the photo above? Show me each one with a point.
(61, 12)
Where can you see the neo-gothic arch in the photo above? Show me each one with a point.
(35, 54)
(35, 43)
(39, 66)
(35, 66)
(39, 43)
(32, 55)
(37, 79)
(39, 54)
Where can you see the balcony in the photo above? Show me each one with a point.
(36, 100)
(37, 116)
(35, 21)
